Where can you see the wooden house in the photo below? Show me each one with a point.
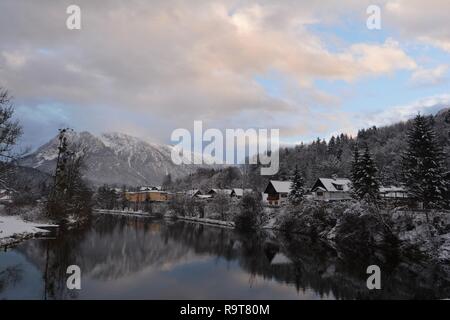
(149, 196)
(331, 189)
(277, 192)
(393, 193)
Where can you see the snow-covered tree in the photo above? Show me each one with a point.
(423, 165)
(297, 193)
(369, 185)
(364, 175)
(355, 172)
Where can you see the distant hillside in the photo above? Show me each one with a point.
(325, 158)
(25, 179)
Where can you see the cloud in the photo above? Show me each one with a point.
(384, 59)
(429, 105)
(425, 21)
(433, 76)
(14, 60)
(161, 65)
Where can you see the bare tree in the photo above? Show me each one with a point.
(10, 131)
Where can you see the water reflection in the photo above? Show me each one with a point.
(135, 258)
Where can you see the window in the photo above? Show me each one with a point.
(338, 187)
(319, 193)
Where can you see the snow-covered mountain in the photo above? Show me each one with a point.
(114, 158)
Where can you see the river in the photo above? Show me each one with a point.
(144, 258)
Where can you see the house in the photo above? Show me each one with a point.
(214, 192)
(150, 188)
(204, 196)
(6, 196)
(277, 192)
(147, 196)
(393, 193)
(239, 192)
(331, 189)
(193, 193)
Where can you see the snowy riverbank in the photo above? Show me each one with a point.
(124, 213)
(14, 229)
(228, 224)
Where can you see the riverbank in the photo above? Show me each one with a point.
(13, 230)
(141, 214)
(361, 226)
(124, 213)
(212, 222)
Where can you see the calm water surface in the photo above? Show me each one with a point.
(137, 258)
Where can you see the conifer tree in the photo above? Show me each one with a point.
(364, 175)
(369, 186)
(297, 193)
(423, 165)
(70, 194)
(356, 172)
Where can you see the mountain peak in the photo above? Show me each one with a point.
(114, 158)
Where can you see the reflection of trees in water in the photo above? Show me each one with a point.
(112, 248)
(316, 266)
(116, 247)
(59, 255)
(344, 273)
(127, 246)
(10, 277)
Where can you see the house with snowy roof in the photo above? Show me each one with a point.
(239, 192)
(193, 193)
(393, 193)
(150, 188)
(6, 196)
(331, 189)
(214, 192)
(276, 192)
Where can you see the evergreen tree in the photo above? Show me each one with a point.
(364, 175)
(356, 173)
(332, 145)
(369, 186)
(298, 191)
(423, 165)
(167, 182)
(123, 201)
(70, 195)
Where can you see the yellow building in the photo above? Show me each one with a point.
(150, 196)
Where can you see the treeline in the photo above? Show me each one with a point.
(323, 158)
(110, 198)
(386, 144)
(206, 179)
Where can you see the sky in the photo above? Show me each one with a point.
(146, 68)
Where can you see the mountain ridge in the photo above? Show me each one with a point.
(113, 158)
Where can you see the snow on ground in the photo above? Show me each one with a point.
(13, 228)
